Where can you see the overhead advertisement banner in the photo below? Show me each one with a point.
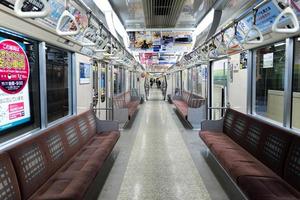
(14, 92)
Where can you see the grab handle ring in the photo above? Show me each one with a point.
(288, 12)
(231, 41)
(67, 14)
(259, 35)
(32, 14)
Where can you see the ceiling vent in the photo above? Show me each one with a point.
(162, 13)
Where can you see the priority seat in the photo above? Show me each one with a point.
(263, 160)
(60, 162)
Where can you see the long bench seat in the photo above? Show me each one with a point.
(59, 163)
(191, 107)
(125, 106)
(263, 160)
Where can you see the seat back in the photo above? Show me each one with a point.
(36, 159)
(274, 149)
(195, 101)
(266, 142)
(8, 180)
(127, 97)
(228, 121)
(186, 96)
(31, 165)
(292, 164)
(119, 101)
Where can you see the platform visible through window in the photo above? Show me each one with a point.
(269, 92)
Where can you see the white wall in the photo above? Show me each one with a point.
(84, 91)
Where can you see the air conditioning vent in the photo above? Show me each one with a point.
(162, 13)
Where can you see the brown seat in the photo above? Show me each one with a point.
(266, 188)
(125, 100)
(263, 159)
(9, 184)
(61, 162)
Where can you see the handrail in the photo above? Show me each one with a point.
(259, 34)
(32, 14)
(67, 14)
(217, 108)
(288, 12)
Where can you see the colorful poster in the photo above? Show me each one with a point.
(85, 73)
(14, 93)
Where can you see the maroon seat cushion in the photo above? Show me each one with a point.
(69, 185)
(9, 184)
(266, 188)
(210, 138)
(182, 107)
(73, 179)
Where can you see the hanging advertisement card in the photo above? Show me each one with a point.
(14, 93)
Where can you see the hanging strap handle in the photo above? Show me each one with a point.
(88, 31)
(288, 12)
(260, 38)
(67, 14)
(222, 48)
(231, 41)
(32, 14)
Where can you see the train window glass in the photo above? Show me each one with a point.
(194, 79)
(119, 80)
(57, 66)
(219, 87)
(184, 80)
(19, 111)
(269, 94)
(296, 87)
(201, 80)
(189, 80)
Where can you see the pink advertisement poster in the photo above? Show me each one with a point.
(14, 93)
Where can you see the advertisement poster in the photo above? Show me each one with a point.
(14, 93)
(85, 73)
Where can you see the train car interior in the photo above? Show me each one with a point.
(149, 99)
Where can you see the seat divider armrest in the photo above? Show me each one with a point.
(106, 125)
(212, 125)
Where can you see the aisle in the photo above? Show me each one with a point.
(160, 166)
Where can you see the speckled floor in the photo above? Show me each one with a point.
(160, 166)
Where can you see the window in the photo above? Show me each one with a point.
(21, 113)
(58, 66)
(189, 79)
(118, 80)
(194, 79)
(219, 87)
(200, 88)
(269, 92)
(296, 87)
